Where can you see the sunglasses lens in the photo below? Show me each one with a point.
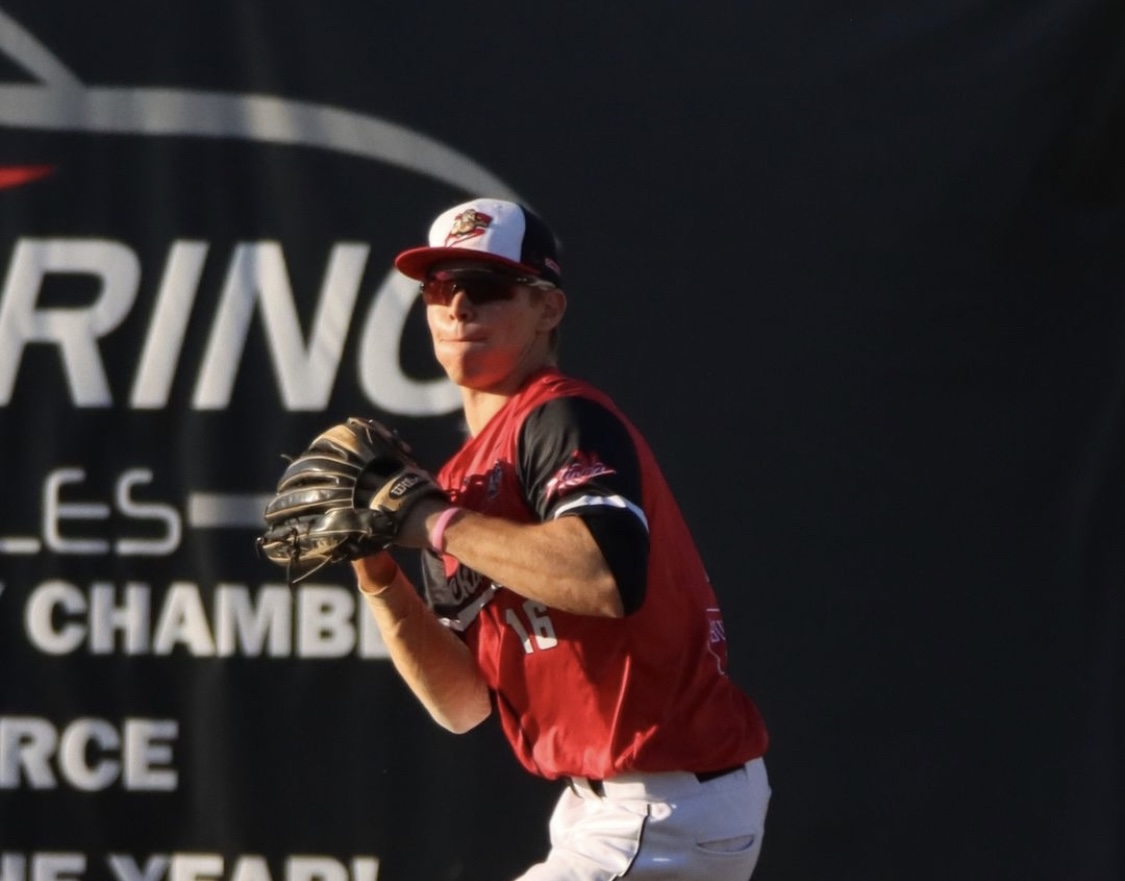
(479, 289)
(489, 290)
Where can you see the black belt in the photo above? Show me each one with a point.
(713, 775)
(598, 788)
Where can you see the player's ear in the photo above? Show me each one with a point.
(554, 307)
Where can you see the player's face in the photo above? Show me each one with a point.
(489, 330)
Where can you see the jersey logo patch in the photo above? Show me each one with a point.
(581, 470)
(717, 639)
(494, 479)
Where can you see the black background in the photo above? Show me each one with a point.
(857, 272)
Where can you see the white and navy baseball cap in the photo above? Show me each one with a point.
(490, 230)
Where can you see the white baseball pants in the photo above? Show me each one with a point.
(658, 827)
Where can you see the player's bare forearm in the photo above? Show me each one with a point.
(433, 662)
(557, 563)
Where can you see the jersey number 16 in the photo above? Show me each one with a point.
(538, 627)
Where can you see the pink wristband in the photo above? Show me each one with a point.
(437, 534)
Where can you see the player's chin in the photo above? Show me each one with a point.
(468, 364)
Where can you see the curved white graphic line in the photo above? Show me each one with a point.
(63, 103)
(19, 45)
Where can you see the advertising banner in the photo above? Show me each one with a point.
(195, 283)
(857, 274)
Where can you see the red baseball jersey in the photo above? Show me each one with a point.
(581, 695)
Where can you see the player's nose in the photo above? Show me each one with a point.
(459, 304)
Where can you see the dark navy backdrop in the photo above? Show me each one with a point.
(857, 271)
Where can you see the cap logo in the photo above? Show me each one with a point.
(467, 225)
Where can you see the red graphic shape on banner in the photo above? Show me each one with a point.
(17, 175)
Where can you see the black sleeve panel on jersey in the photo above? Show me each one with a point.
(573, 451)
(623, 541)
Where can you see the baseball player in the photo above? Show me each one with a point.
(563, 591)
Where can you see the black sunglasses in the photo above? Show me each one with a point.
(479, 287)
